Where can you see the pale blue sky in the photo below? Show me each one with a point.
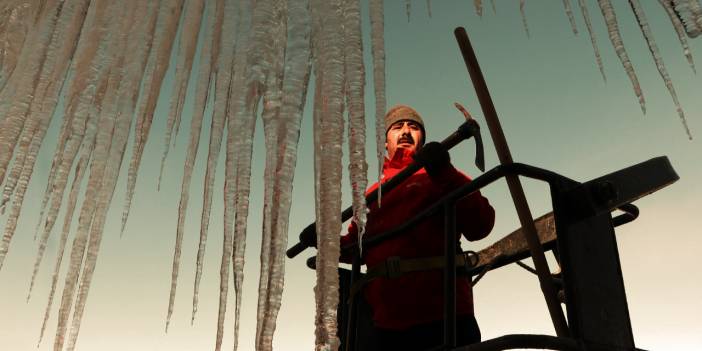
(556, 112)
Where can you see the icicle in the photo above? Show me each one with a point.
(14, 25)
(616, 39)
(522, 4)
(478, 4)
(79, 123)
(39, 111)
(494, 10)
(690, 12)
(296, 77)
(186, 52)
(355, 85)
(408, 5)
(571, 18)
(223, 77)
(215, 16)
(429, 8)
(588, 24)
(234, 247)
(680, 30)
(378, 53)
(648, 35)
(155, 73)
(328, 46)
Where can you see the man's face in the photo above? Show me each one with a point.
(403, 134)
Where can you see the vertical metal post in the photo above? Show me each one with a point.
(351, 326)
(450, 275)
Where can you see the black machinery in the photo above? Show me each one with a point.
(580, 231)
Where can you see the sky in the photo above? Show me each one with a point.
(556, 112)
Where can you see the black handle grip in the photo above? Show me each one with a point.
(296, 249)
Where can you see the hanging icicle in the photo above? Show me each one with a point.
(571, 18)
(616, 39)
(593, 41)
(478, 4)
(355, 84)
(429, 8)
(328, 47)
(690, 13)
(680, 30)
(522, 5)
(408, 6)
(189, 33)
(378, 53)
(648, 35)
(15, 17)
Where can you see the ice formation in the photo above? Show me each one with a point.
(251, 53)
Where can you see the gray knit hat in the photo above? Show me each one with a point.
(403, 113)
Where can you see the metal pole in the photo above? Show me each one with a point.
(515, 186)
(450, 275)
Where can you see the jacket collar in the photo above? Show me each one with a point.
(401, 159)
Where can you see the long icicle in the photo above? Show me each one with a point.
(43, 102)
(408, 7)
(223, 80)
(679, 30)
(616, 39)
(522, 5)
(355, 86)
(655, 52)
(215, 15)
(478, 4)
(378, 53)
(189, 32)
(89, 62)
(138, 46)
(103, 141)
(328, 46)
(429, 8)
(232, 249)
(15, 17)
(156, 71)
(588, 24)
(571, 18)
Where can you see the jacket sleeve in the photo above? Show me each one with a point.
(475, 217)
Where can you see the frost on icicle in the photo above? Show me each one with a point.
(329, 125)
(32, 113)
(522, 5)
(214, 17)
(272, 253)
(478, 4)
(429, 8)
(588, 24)
(190, 29)
(616, 39)
(78, 123)
(378, 53)
(355, 86)
(679, 30)
(234, 243)
(169, 16)
(655, 52)
(15, 17)
(571, 18)
(135, 37)
(222, 83)
(408, 6)
(690, 13)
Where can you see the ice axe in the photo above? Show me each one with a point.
(475, 132)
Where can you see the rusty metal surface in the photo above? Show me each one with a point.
(513, 246)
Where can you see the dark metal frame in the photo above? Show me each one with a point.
(598, 317)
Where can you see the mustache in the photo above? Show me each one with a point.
(406, 137)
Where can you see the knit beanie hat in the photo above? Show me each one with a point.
(403, 113)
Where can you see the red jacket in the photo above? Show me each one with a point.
(417, 297)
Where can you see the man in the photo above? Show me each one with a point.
(408, 310)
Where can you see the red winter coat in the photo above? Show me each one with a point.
(417, 297)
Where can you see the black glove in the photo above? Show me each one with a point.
(309, 236)
(434, 157)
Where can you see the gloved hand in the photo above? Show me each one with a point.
(309, 236)
(434, 157)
